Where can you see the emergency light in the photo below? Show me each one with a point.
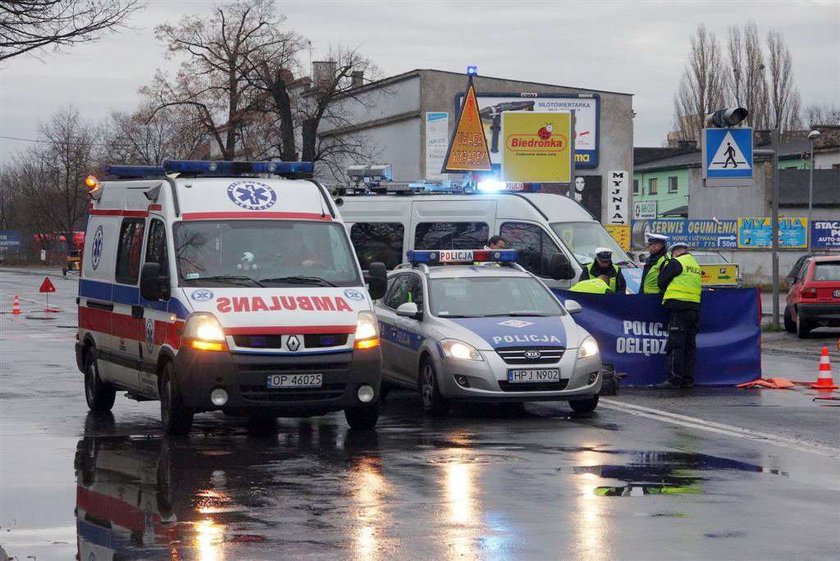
(217, 168)
(469, 256)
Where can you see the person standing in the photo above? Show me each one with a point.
(679, 280)
(603, 265)
(657, 246)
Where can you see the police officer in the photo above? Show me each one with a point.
(598, 285)
(603, 265)
(679, 280)
(657, 246)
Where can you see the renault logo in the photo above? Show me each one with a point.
(293, 343)
(532, 354)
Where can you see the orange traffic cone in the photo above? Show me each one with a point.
(824, 379)
(16, 307)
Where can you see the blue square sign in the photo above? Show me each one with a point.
(728, 153)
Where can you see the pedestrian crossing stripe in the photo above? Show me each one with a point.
(729, 155)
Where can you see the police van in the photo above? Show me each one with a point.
(542, 227)
(225, 286)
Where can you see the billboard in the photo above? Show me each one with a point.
(618, 197)
(698, 234)
(825, 234)
(644, 210)
(756, 233)
(437, 139)
(536, 147)
(587, 119)
(586, 191)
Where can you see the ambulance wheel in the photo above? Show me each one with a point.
(582, 406)
(434, 403)
(790, 327)
(362, 418)
(176, 418)
(99, 395)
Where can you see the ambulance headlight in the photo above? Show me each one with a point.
(203, 331)
(367, 331)
(453, 348)
(588, 348)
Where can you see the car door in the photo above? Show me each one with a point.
(386, 314)
(155, 314)
(410, 332)
(127, 321)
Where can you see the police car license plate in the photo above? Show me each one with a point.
(294, 381)
(534, 375)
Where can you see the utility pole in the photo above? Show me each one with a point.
(773, 152)
(812, 136)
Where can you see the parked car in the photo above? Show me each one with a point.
(797, 267)
(814, 296)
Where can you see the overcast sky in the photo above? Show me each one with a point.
(632, 46)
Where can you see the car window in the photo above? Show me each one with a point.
(381, 242)
(535, 248)
(129, 250)
(156, 247)
(826, 271)
(397, 291)
(451, 235)
(797, 267)
(803, 272)
(414, 289)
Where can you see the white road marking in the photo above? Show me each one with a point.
(720, 428)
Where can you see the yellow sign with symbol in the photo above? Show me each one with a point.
(538, 147)
(719, 275)
(468, 146)
(621, 234)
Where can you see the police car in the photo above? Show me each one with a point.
(475, 326)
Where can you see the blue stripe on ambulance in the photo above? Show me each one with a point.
(400, 337)
(517, 331)
(129, 295)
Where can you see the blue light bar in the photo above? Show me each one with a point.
(227, 168)
(462, 256)
(134, 172)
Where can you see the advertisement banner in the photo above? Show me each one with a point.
(618, 197)
(719, 274)
(586, 109)
(631, 331)
(9, 239)
(756, 233)
(698, 234)
(644, 210)
(825, 234)
(437, 135)
(621, 234)
(536, 147)
(586, 190)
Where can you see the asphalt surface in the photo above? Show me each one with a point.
(714, 473)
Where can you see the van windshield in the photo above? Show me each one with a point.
(583, 237)
(264, 253)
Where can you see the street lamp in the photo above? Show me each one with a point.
(812, 136)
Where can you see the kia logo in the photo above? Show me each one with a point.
(532, 354)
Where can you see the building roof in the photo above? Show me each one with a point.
(679, 211)
(794, 184)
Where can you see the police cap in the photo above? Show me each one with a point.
(657, 238)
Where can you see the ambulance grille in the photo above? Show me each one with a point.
(260, 393)
(311, 341)
(535, 387)
(520, 355)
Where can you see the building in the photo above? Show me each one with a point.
(406, 121)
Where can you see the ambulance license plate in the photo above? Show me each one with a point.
(534, 375)
(294, 381)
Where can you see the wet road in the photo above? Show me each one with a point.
(717, 474)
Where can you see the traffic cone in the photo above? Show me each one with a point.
(824, 379)
(16, 307)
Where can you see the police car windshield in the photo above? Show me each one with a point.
(270, 252)
(583, 237)
(491, 296)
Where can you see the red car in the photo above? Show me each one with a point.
(814, 296)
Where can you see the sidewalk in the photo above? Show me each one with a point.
(790, 344)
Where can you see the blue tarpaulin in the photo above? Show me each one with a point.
(631, 331)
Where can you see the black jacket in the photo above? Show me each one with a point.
(609, 270)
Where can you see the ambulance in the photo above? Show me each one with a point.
(226, 286)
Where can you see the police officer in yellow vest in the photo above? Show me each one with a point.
(603, 265)
(657, 246)
(598, 285)
(679, 280)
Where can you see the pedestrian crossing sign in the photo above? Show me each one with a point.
(728, 156)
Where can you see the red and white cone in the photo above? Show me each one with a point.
(824, 379)
(16, 307)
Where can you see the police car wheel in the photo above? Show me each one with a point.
(176, 418)
(584, 405)
(790, 327)
(433, 402)
(99, 395)
(362, 418)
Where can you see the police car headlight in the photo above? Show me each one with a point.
(367, 331)
(203, 331)
(453, 348)
(588, 348)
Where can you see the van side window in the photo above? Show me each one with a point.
(534, 247)
(451, 235)
(156, 247)
(378, 242)
(129, 249)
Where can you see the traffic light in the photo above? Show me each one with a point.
(729, 117)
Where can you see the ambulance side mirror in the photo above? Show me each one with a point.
(377, 279)
(561, 267)
(152, 285)
(573, 307)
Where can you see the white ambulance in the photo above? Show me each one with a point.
(225, 286)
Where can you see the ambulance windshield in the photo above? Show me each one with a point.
(583, 237)
(264, 253)
(470, 297)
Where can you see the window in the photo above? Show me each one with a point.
(582, 238)
(378, 242)
(534, 246)
(635, 186)
(826, 271)
(451, 235)
(156, 247)
(491, 296)
(129, 249)
(672, 184)
(404, 288)
(653, 184)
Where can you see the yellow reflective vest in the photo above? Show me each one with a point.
(651, 285)
(685, 286)
(593, 274)
(592, 286)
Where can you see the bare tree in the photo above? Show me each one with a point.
(784, 95)
(29, 25)
(822, 114)
(748, 83)
(703, 85)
